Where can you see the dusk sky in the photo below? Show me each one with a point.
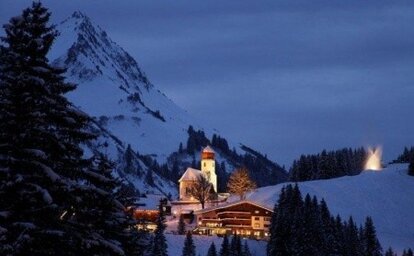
(284, 77)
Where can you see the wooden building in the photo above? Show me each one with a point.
(244, 218)
(148, 210)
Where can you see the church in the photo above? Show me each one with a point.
(190, 176)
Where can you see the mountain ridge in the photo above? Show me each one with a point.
(129, 112)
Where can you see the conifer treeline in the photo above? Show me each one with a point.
(306, 227)
(263, 171)
(232, 248)
(328, 164)
(407, 156)
(53, 200)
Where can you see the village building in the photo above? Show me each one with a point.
(190, 176)
(148, 210)
(244, 218)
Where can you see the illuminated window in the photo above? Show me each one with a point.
(257, 233)
(211, 225)
(205, 164)
(256, 225)
(256, 211)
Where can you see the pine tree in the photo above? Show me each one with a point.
(193, 163)
(338, 246)
(411, 168)
(149, 178)
(55, 201)
(235, 246)
(160, 246)
(351, 241)
(276, 230)
(409, 252)
(189, 247)
(225, 247)
(390, 252)
(181, 225)
(281, 232)
(372, 246)
(121, 228)
(128, 158)
(246, 250)
(326, 165)
(306, 227)
(212, 250)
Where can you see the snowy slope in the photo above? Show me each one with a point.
(387, 196)
(111, 85)
(127, 109)
(109, 145)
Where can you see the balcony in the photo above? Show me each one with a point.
(234, 212)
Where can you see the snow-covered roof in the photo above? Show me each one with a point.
(233, 204)
(208, 149)
(190, 174)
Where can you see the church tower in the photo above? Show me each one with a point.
(208, 167)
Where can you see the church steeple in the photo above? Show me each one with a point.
(208, 167)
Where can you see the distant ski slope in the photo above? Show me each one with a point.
(387, 196)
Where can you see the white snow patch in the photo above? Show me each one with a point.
(387, 196)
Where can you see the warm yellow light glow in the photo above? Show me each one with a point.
(374, 159)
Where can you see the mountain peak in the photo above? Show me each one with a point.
(88, 54)
(74, 21)
(112, 88)
(79, 15)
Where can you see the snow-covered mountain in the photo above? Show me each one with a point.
(127, 109)
(387, 196)
(113, 88)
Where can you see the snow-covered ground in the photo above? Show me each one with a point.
(202, 243)
(387, 196)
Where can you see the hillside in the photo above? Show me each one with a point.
(114, 89)
(387, 196)
(139, 127)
